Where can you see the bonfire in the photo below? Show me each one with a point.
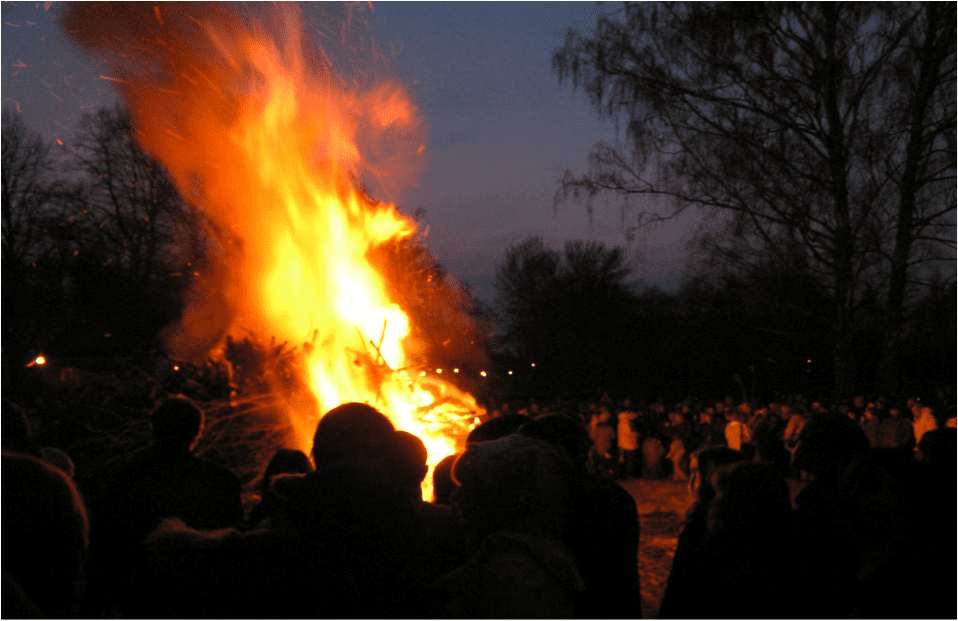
(259, 129)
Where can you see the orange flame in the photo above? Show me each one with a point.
(271, 144)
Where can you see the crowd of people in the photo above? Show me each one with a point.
(527, 520)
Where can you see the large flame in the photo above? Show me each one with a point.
(270, 142)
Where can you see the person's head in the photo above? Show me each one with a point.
(937, 448)
(443, 485)
(702, 464)
(412, 459)
(515, 484)
(285, 461)
(177, 423)
(750, 500)
(827, 444)
(45, 533)
(496, 428)
(353, 432)
(562, 432)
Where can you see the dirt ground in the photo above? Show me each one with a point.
(662, 506)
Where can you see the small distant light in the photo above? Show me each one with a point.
(455, 370)
(38, 361)
(422, 374)
(439, 371)
(809, 361)
(510, 372)
(176, 367)
(482, 373)
(533, 364)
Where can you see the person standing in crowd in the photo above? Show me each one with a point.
(512, 498)
(602, 443)
(628, 440)
(45, 537)
(737, 433)
(924, 422)
(163, 480)
(870, 425)
(895, 431)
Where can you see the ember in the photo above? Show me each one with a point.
(256, 127)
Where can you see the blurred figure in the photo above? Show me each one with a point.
(896, 432)
(924, 422)
(870, 425)
(602, 441)
(628, 440)
(45, 537)
(652, 453)
(737, 433)
(676, 454)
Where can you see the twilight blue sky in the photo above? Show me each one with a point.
(501, 127)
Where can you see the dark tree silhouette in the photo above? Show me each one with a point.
(569, 313)
(826, 126)
(132, 199)
(26, 170)
(144, 243)
(39, 239)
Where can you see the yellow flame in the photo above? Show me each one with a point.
(275, 161)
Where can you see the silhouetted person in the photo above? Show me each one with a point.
(831, 448)
(747, 570)
(896, 431)
(350, 544)
(512, 497)
(284, 461)
(45, 539)
(681, 598)
(166, 480)
(16, 436)
(443, 486)
(496, 428)
(929, 550)
(441, 539)
(602, 528)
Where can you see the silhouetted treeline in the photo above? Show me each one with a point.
(575, 333)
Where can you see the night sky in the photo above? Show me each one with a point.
(501, 126)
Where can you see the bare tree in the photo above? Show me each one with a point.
(817, 124)
(133, 201)
(27, 184)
